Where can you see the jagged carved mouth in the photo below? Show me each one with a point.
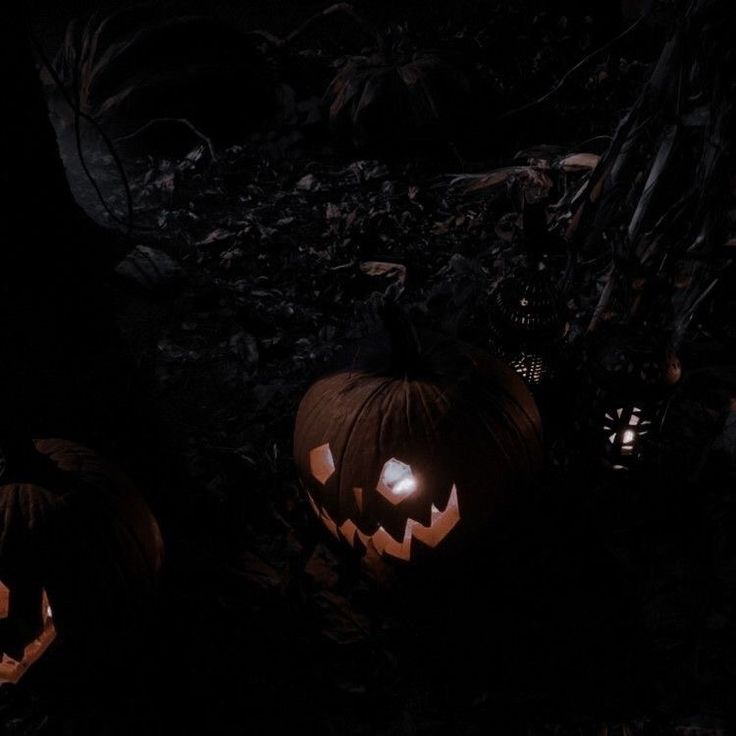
(11, 670)
(396, 483)
(440, 525)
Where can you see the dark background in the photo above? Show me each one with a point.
(608, 610)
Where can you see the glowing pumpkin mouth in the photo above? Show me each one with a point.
(440, 525)
(11, 670)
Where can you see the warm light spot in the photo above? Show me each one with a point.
(626, 426)
(530, 367)
(322, 463)
(396, 481)
(405, 486)
(12, 670)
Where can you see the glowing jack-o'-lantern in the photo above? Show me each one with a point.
(15, 664)
(417, 453)
(76, 538)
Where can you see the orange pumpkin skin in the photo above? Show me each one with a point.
(464, 424)
(73, 525)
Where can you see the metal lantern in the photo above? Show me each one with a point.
(526, 322)
(533, 367)
(525, 306)
(625, 430)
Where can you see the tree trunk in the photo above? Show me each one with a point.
(52, 306)
(38, 207)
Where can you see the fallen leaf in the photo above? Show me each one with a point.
(382, 268)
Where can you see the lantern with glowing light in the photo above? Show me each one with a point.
(629, 377)
(526, 322)
(415, 451)
(79, 550)
(626, 429)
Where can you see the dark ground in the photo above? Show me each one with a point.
(608, 610)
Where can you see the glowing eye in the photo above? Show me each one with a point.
(629, 437)
(405, 486)
(397, 481)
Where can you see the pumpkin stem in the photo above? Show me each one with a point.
(406, 348)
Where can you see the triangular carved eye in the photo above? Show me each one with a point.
(397, 482)
(321, 463)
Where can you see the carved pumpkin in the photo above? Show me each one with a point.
(416, 454)
(76, 539)
(22, 656)
(398, 97)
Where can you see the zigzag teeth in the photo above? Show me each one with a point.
(440, 525)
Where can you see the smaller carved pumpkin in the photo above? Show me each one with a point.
(76, 538)
(417, 453)
(397, 97)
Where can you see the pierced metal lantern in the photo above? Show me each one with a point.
(626, 429)
(525, 306)
(533, 367)
(526, 322)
